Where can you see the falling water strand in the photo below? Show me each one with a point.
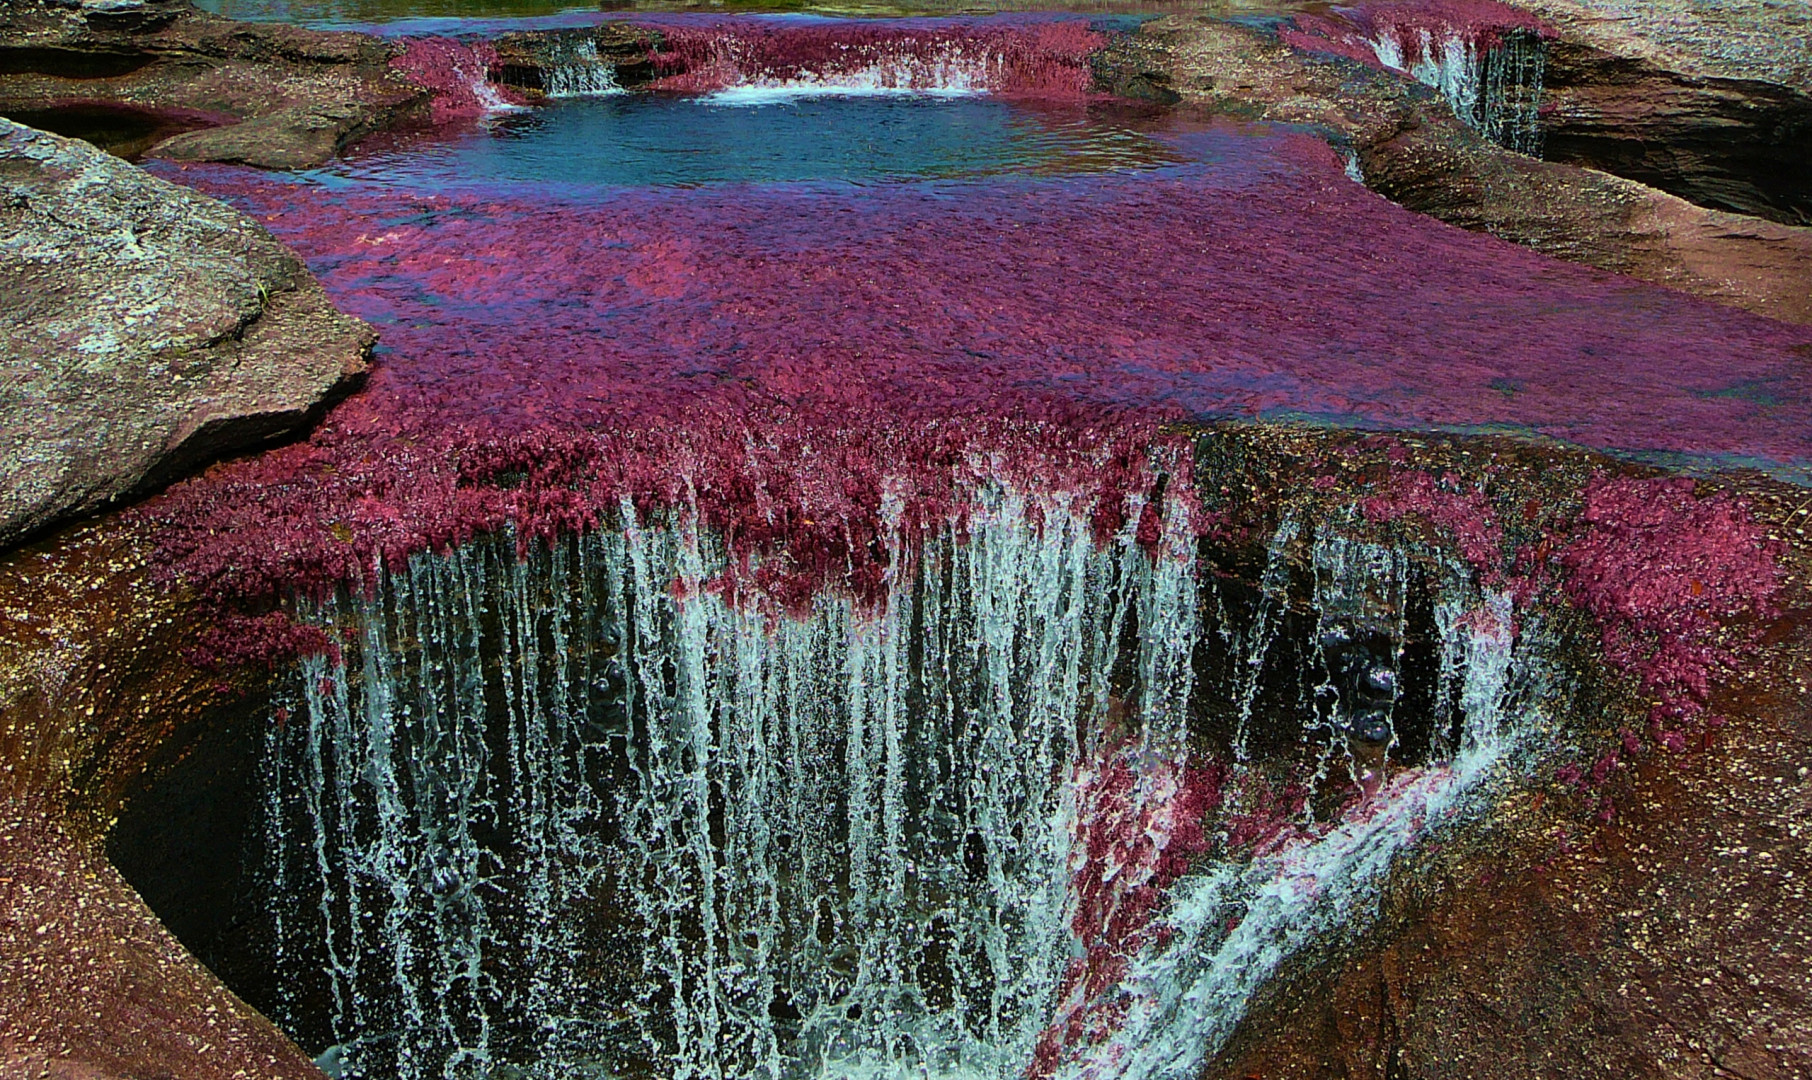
(575, 814)
(576, 70)
(1496, 90)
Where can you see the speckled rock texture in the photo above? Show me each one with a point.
(1708, 101)
(1407, 145)
(304, 93)
(92, 691)
(1647, 921)
(144, 330)
(1765, 40)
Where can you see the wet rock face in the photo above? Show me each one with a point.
(92, 694)
(1405, 143)
(1732, 144)
(1647, 923)
(306, 93)
(550, 61)
(144, 330)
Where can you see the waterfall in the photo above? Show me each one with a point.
(575, 814)
(457, 73)
(1495, 88)
(575, 70)
(753, 62)
(1511, 96)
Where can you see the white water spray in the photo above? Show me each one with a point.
(576, 70)
(576, 815)
(1498, 91)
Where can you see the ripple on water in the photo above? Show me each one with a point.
(751, 134)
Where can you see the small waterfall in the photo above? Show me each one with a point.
(1486, 59)
(575, 814)
(458, 74)
(756, 62)
(1511, 96)
(576, 70)
(1493, 83)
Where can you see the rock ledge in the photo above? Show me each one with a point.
(144, 330)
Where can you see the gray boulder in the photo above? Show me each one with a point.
(144, 330)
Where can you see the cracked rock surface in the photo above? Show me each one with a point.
(144, 330)
(211, 89)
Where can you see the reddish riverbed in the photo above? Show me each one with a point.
(814, 366)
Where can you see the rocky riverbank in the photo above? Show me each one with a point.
(1405, 142)
(190, 86)
(148, 330)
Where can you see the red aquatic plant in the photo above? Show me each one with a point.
(1464, 514)
(456, 73)
(1041, 58)
(821, 373)
(1675, 582)
(1139, 823)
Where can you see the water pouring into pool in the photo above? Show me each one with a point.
(763, 616)
(1046, 810)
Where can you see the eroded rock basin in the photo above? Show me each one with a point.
(805, 611)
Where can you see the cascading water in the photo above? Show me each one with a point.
(1510, 99)
(1495, 88)
(578, 815)
(1487, 60)
(576, 70)
(754, 62)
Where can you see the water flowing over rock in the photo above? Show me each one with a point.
(1486, 59)
(578, 813)
(1409, 152)
(908, 630)
(146, 330)
(1048, 58)
(597, 60)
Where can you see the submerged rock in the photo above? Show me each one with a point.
(144, 329)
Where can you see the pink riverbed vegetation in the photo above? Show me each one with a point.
(1039, 58)
(1139, 825)
(1680, 586)
(458, 75)
(813, 371)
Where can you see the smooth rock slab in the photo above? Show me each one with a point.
(144, 330)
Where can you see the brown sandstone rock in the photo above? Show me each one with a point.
(1732, 144)
(310, 92)
(1408, 146)
(1764, 40)
(144, 329)
(529, 59)
(92, 689)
